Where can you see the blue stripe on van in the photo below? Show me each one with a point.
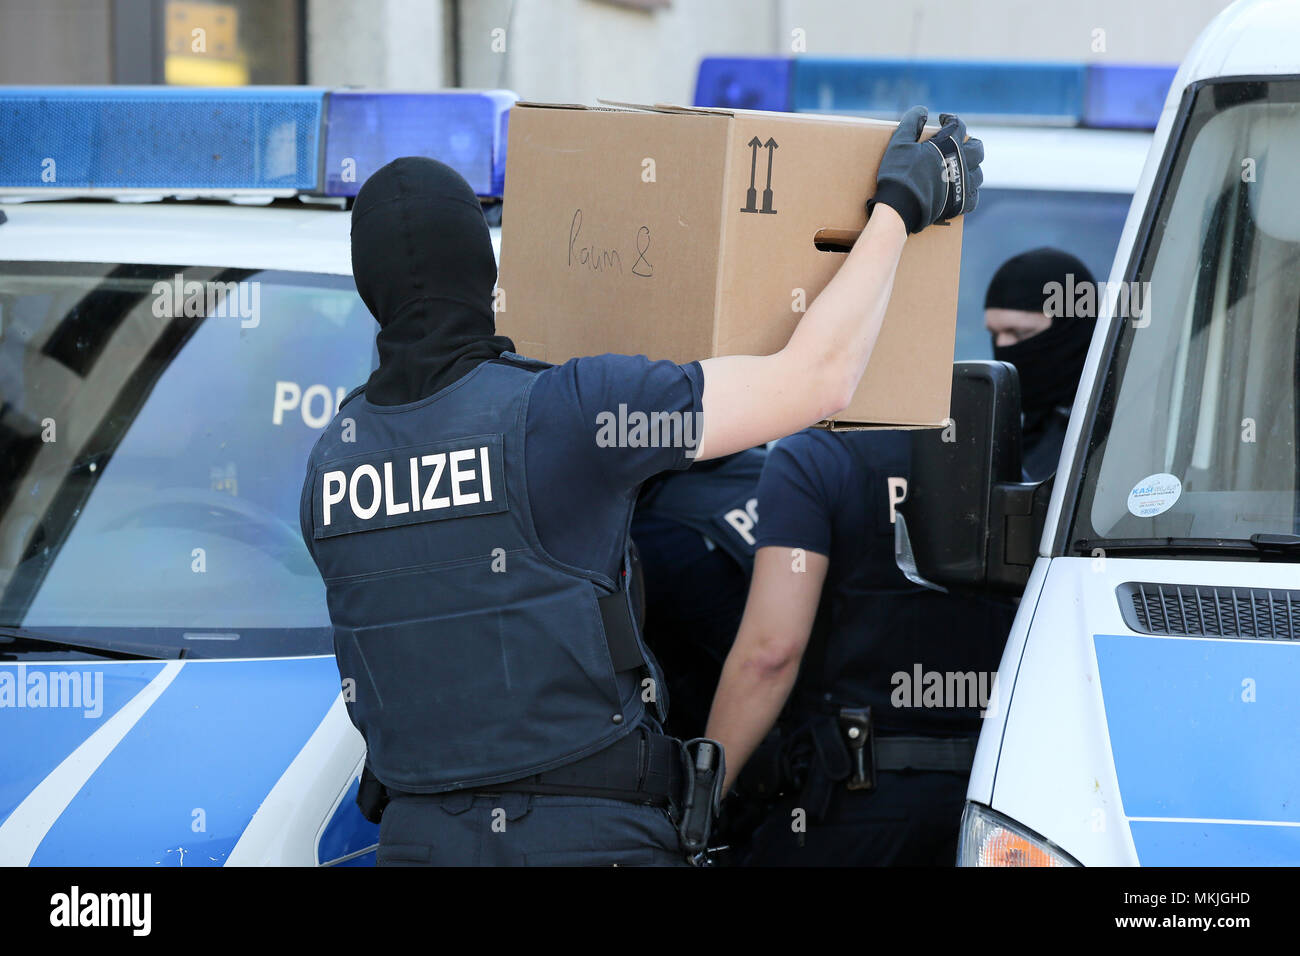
(1214, 844)
(1204, 729)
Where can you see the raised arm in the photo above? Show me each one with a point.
(751, 399)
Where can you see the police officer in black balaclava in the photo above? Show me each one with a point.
(1044, 331)
(430, 289)
(468, 511)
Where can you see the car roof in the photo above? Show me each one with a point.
(1063, 159)
(1249, 38)
(223, 235)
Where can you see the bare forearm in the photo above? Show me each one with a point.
(748, 701)
(838, 332)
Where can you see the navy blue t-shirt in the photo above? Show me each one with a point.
(831, 493)
(580, 485)
(825, 491)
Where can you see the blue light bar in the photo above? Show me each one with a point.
(1124, 96)
(977, 90)
(750, 83)
(158, 137)
(464, 129)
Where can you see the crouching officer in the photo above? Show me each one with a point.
(469, 515)
(880, 726)
(695, 533)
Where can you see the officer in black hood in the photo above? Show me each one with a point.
(468, 510)
(1040, 309)
(423, 263)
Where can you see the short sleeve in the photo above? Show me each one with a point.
(625, 418)
(797, 493)
(597, 428)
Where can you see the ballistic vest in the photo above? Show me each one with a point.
(468, 654)
(717, 498)
(879, 640)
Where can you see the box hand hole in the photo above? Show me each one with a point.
(836, 240)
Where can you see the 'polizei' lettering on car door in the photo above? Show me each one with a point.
(450, 479)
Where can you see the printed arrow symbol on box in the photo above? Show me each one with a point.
(751, 194)
(767, 191)
(771, 148)
(754, 144)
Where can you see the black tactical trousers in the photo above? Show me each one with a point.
(522, 829)
(910, 819)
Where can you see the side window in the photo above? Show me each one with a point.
(1012, 221)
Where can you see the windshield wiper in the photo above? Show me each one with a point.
(1154, 545)
(1277, 543)
(10, 636)
(1268, 544)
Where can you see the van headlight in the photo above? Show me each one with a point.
(990, 839)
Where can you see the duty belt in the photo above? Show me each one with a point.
(955, 754)
(846, 749)
(643, 767)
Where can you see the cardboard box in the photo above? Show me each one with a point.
(688, 233)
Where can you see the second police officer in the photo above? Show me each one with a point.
(875, 753)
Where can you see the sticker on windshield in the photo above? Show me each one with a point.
(1154, 495)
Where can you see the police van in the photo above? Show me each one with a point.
(177, 324)
(1147, 700)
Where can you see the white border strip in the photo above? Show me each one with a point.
(1240, 823)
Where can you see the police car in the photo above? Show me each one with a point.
(177, 323)
(1149, 691)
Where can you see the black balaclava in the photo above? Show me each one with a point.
(423, 264)
(1049, 364)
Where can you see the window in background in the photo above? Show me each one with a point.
(232, 44)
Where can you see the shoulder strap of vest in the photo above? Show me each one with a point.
(352, 394)
(523, 361)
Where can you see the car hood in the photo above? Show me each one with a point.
(148, 763)
(1129, 748)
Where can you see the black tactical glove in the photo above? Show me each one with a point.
(931, 181)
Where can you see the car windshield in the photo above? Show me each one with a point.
(1195, 434)
(155, 427)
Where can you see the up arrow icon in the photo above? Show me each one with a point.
(751, 195)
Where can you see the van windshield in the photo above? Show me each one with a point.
(155, 424)
(1195, 434)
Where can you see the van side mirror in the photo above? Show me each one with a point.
(968, 521)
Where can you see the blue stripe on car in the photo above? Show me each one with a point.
(185, 782)
(35, 740)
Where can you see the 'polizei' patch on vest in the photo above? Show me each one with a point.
(385, 489)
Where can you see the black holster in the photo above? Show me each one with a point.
(705, 767)
(372, 796)
(829, 750)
